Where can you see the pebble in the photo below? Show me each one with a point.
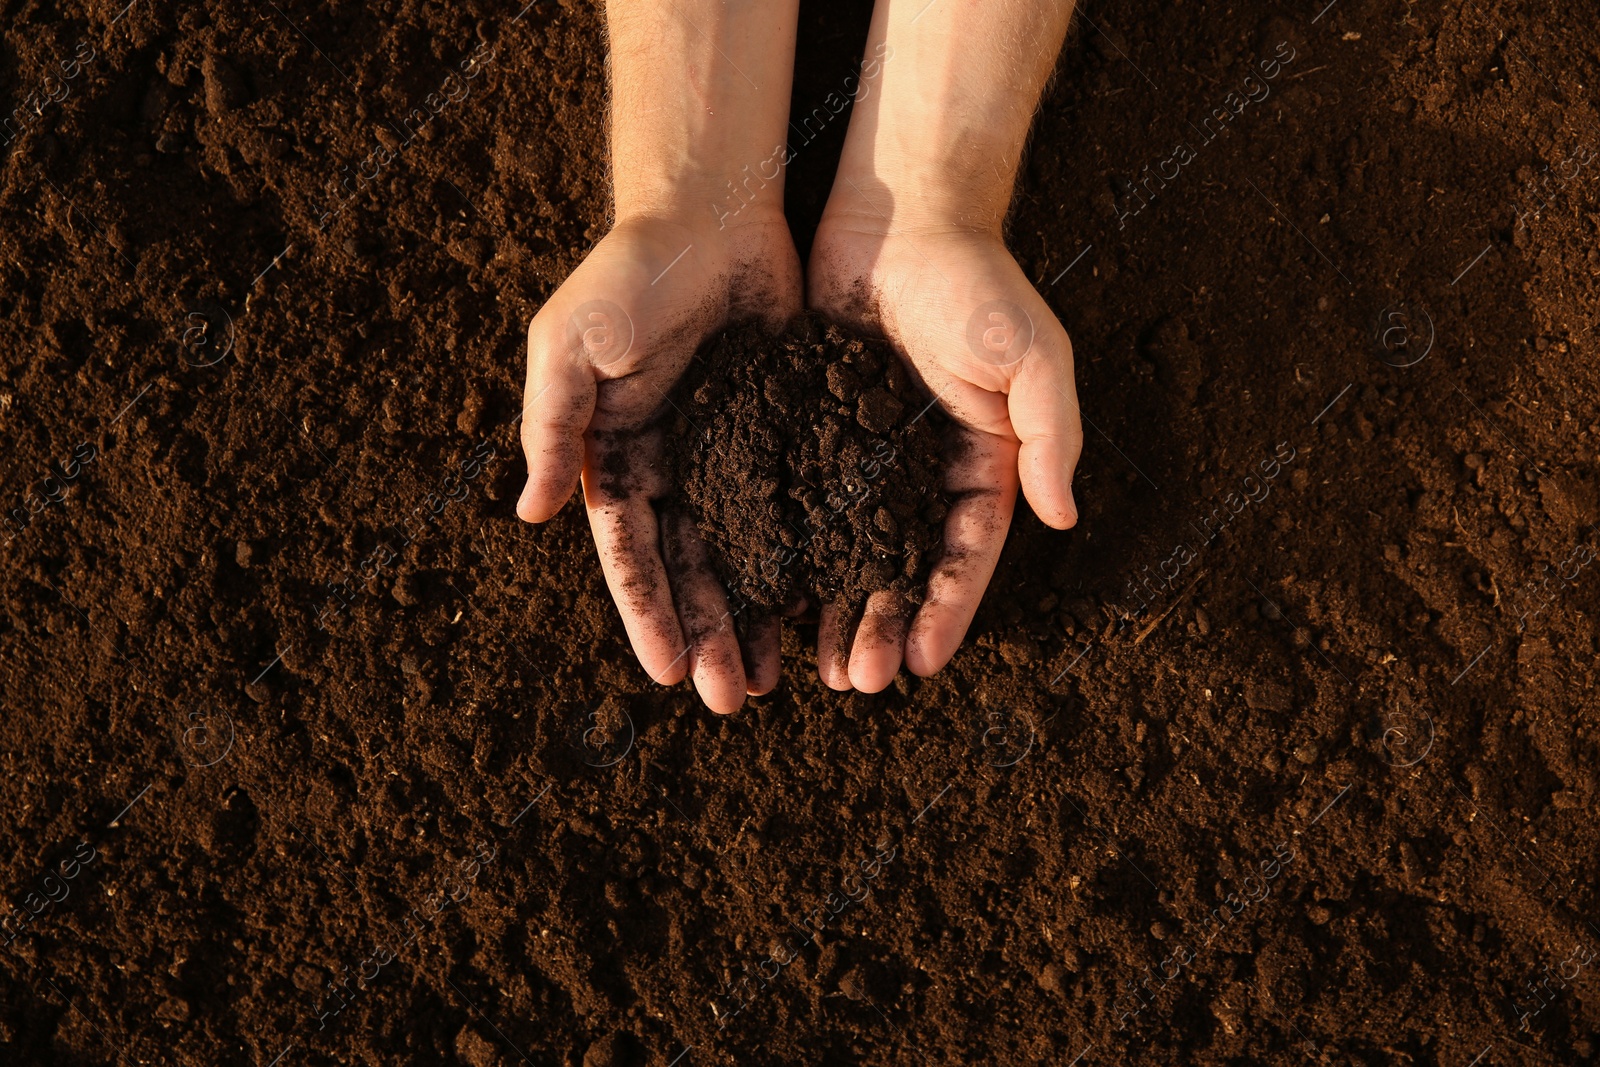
(471, 413)
(173, 1009)
(853, 985)
(606, 1052)
(474, 1049)
(878, 410)
(407, 591)
(1018, 649)
(225, 88)
(843, 383)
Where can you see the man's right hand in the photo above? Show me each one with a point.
(603, 353)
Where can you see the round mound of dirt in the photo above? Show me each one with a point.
(811, 463)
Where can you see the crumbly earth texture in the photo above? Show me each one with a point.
(312, 754)
(811, 463)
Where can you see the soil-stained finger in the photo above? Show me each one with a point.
(1043, 404)
(880, 641)
(558, 402)
(626, 535)
(983, 485)
(715, 661)
(833, 660)
(763, 654)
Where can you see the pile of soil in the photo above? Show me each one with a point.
(313, 754)
(811, 464)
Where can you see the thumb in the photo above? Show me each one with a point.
(1043, 405)
(558, 403)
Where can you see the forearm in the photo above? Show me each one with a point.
(939, 145)
(699, 90)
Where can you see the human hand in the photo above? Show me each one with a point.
(603, 353)
(957, 306)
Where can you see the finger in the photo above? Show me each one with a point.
(880, 640)
(984, 485)
(558, 402)
(761, 646)
(833, 664)
(715, 661)
(1043, 405)
(627, 536)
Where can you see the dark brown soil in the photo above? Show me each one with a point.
(312, 754)
(810, 462)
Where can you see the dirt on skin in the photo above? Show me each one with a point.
(810, 462)
(312, 754)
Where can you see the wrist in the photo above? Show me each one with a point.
(757, 238)
(739, 190)
(939, 143)
(693, 215)
(922, 194)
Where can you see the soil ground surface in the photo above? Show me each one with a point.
(313, 754)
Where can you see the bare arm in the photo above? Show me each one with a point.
(914, 223)
(945, 133)
(700, 90)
